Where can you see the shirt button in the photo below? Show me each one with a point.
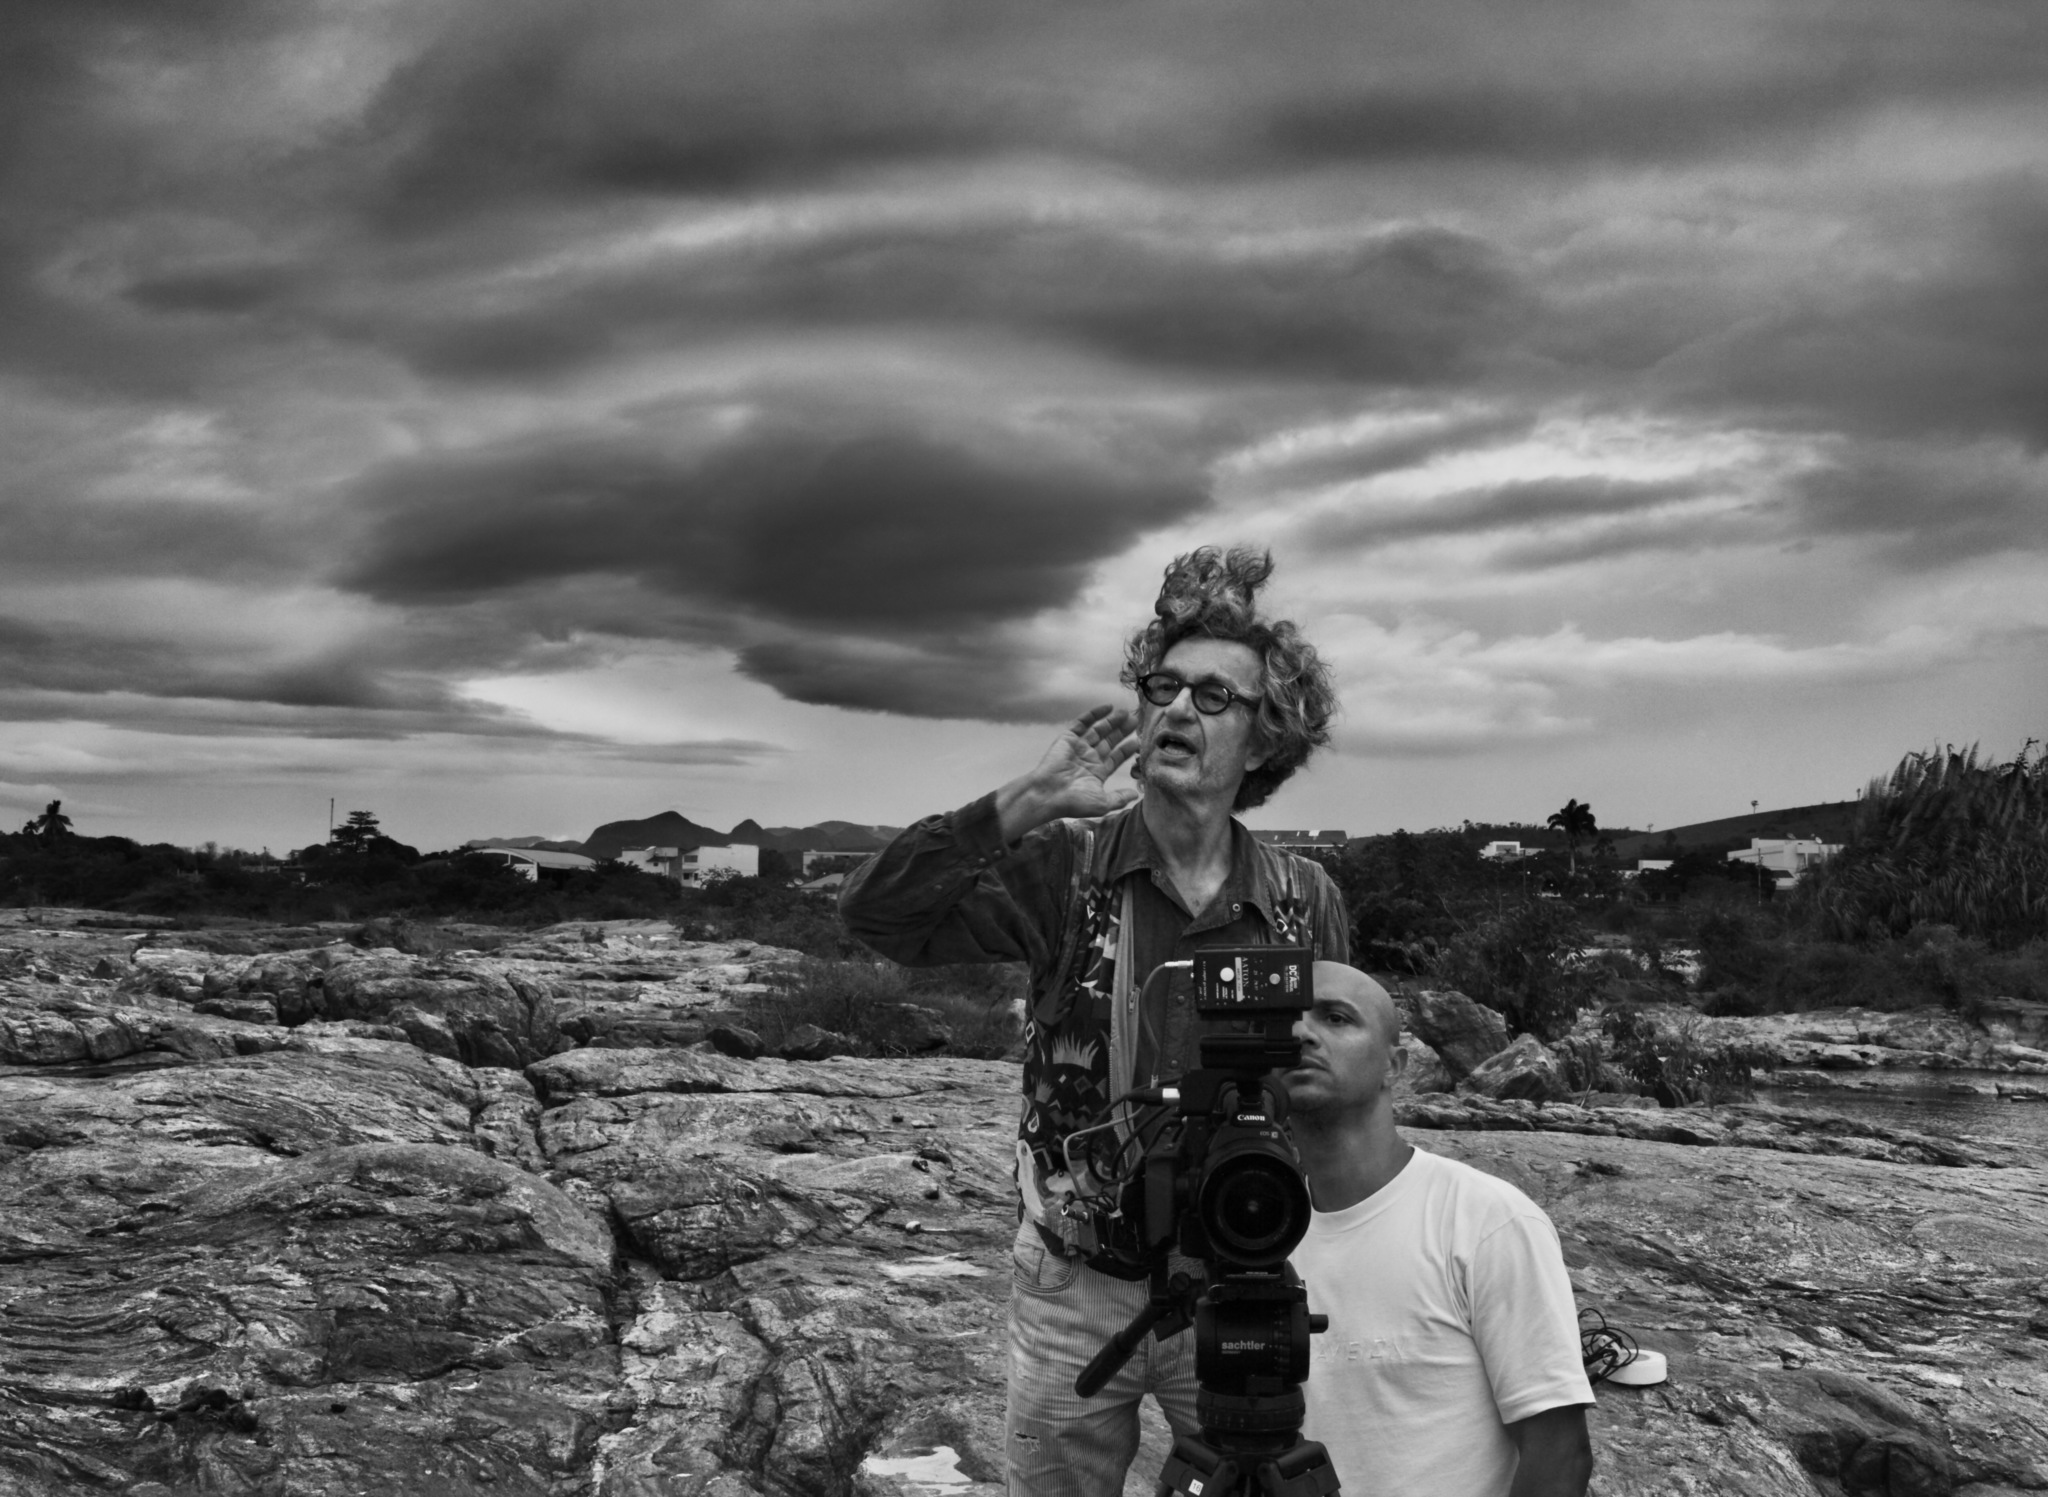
(1236, 910)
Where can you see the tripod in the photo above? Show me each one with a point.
(1252, 1334)
(1222, 1179)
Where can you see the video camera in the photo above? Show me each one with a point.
(1221, 1182)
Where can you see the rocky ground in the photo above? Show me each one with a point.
(461, 1211)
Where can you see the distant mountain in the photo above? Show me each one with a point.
(673, 829)
(826, 836)
(545, 844)
(669, 829)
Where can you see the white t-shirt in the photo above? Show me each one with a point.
(1451, 1317)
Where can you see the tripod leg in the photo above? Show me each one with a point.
(1194, 1470)
(1302, 1471)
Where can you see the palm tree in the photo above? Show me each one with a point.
(50, 826)
(1576, 822)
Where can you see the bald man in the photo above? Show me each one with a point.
(1452, 1363)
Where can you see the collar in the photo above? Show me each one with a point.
(1128, 848)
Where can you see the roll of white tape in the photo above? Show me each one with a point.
(1646, 1369)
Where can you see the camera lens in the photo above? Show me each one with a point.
(1253, 1202)
(1253, 1208)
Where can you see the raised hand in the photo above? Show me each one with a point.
(1072, 778)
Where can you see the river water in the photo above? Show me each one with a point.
(1923, 1101)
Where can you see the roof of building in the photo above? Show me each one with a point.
(539, 857)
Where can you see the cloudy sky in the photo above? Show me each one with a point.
(511, 416)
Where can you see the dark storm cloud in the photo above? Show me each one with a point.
(842, 534)
(53, 535)
(857, 529)
(931, 677)
(48, 50)
(508, 113)
(67, 658)
(76, 659)
(1667, 109)
(540, 103)
(1959, 347)
(516, 100)
(79, 157)
(1931, 507)
(1483, 202)
(1406, 306)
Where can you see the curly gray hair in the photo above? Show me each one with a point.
(1213, 594)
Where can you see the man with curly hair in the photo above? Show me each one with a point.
(1095, 887)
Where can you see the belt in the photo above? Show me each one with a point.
(1102, 1263)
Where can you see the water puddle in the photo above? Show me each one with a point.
(935, 1472)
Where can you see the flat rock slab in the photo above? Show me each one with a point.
(616, 1073)
(79, 1152)
(705, 1179)
(1734, 1126)
(379, 1318)
(2007, 1035)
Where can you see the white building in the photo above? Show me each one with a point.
(1505, 852)
(1305, 839)
(1786, 859)
(661, 861)
(740, 860)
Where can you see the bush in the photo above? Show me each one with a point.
(115, 873)
(1945, 841)
(1748, 970)
(1409, 893)
(1671, 1061)
(863, 1000)
(1524, 960)
(1966, 974)
(766, 911)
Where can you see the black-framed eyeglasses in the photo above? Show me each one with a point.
(1212, 698)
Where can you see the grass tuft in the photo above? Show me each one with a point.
(866, 1001)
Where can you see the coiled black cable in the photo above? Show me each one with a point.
(1604, 1348)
